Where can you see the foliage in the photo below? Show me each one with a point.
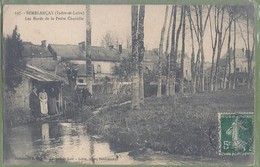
(13, 59)
(172, 124)
(125, 70)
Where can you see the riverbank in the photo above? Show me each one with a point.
(183, 125)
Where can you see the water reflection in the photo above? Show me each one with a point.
(62, 142)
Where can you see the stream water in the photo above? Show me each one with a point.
(55, 143)
(61, 143)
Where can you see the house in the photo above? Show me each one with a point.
(241, 70)
(18, 101)
(241, 62)
(103, 59)
(39, 56)
(72, 56)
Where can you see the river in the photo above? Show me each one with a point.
(61, 143)
(55, 143)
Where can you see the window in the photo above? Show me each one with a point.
(98, 68)
(80, 81)
(112, 69)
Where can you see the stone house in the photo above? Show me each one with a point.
(18, 101)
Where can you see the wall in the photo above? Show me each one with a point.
(19, 101)
(106, 66)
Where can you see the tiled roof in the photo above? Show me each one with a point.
(31, 50)
(73, 52)
(37, 74)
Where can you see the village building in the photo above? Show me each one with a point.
(70, 56)
(104, 60)
(18, 100)
(39, 56)
(40, 71)
(241, 66)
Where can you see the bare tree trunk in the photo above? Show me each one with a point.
(229, 55)
(193, 67)
(89, 68)
(135, 78)
(183, 49)
(141, 52)
(172, 62)
(220, 35)
(221, 39)
(175, 58)
(251, 59)
(200, 34)
(234, 54)
(167, 91)
(202, 49)
(214, 46)
(159, 86)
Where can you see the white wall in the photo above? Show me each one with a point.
(106, 66)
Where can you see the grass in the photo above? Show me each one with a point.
(181, 125)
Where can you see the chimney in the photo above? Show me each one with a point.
(43, 43)
(82, 46)
(120, 48)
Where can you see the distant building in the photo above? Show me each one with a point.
(104, 60)
(241, 66)
(241, 61)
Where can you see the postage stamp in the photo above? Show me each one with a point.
(129, 84)
(236, 133)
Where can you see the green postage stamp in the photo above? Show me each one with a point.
(236, 135)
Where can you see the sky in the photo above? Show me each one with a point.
(104, 18)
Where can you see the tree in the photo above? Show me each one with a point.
(159, 87)
(175, 58)
(213, 44)
(183, 49)
(199, 32)
(221, 39)
(201, 29)
(89, 65)
(168, 61)
(234, 53)
(13, 60)
(135, 78)
(125, 69)
(193, 69)
(229, 51)
(110, 40)
(172, 62)
(249, 52)
(141, 52)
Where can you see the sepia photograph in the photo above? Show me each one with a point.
(129, 84)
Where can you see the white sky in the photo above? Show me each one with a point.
(114, 18)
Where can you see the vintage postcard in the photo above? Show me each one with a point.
(129, 84)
